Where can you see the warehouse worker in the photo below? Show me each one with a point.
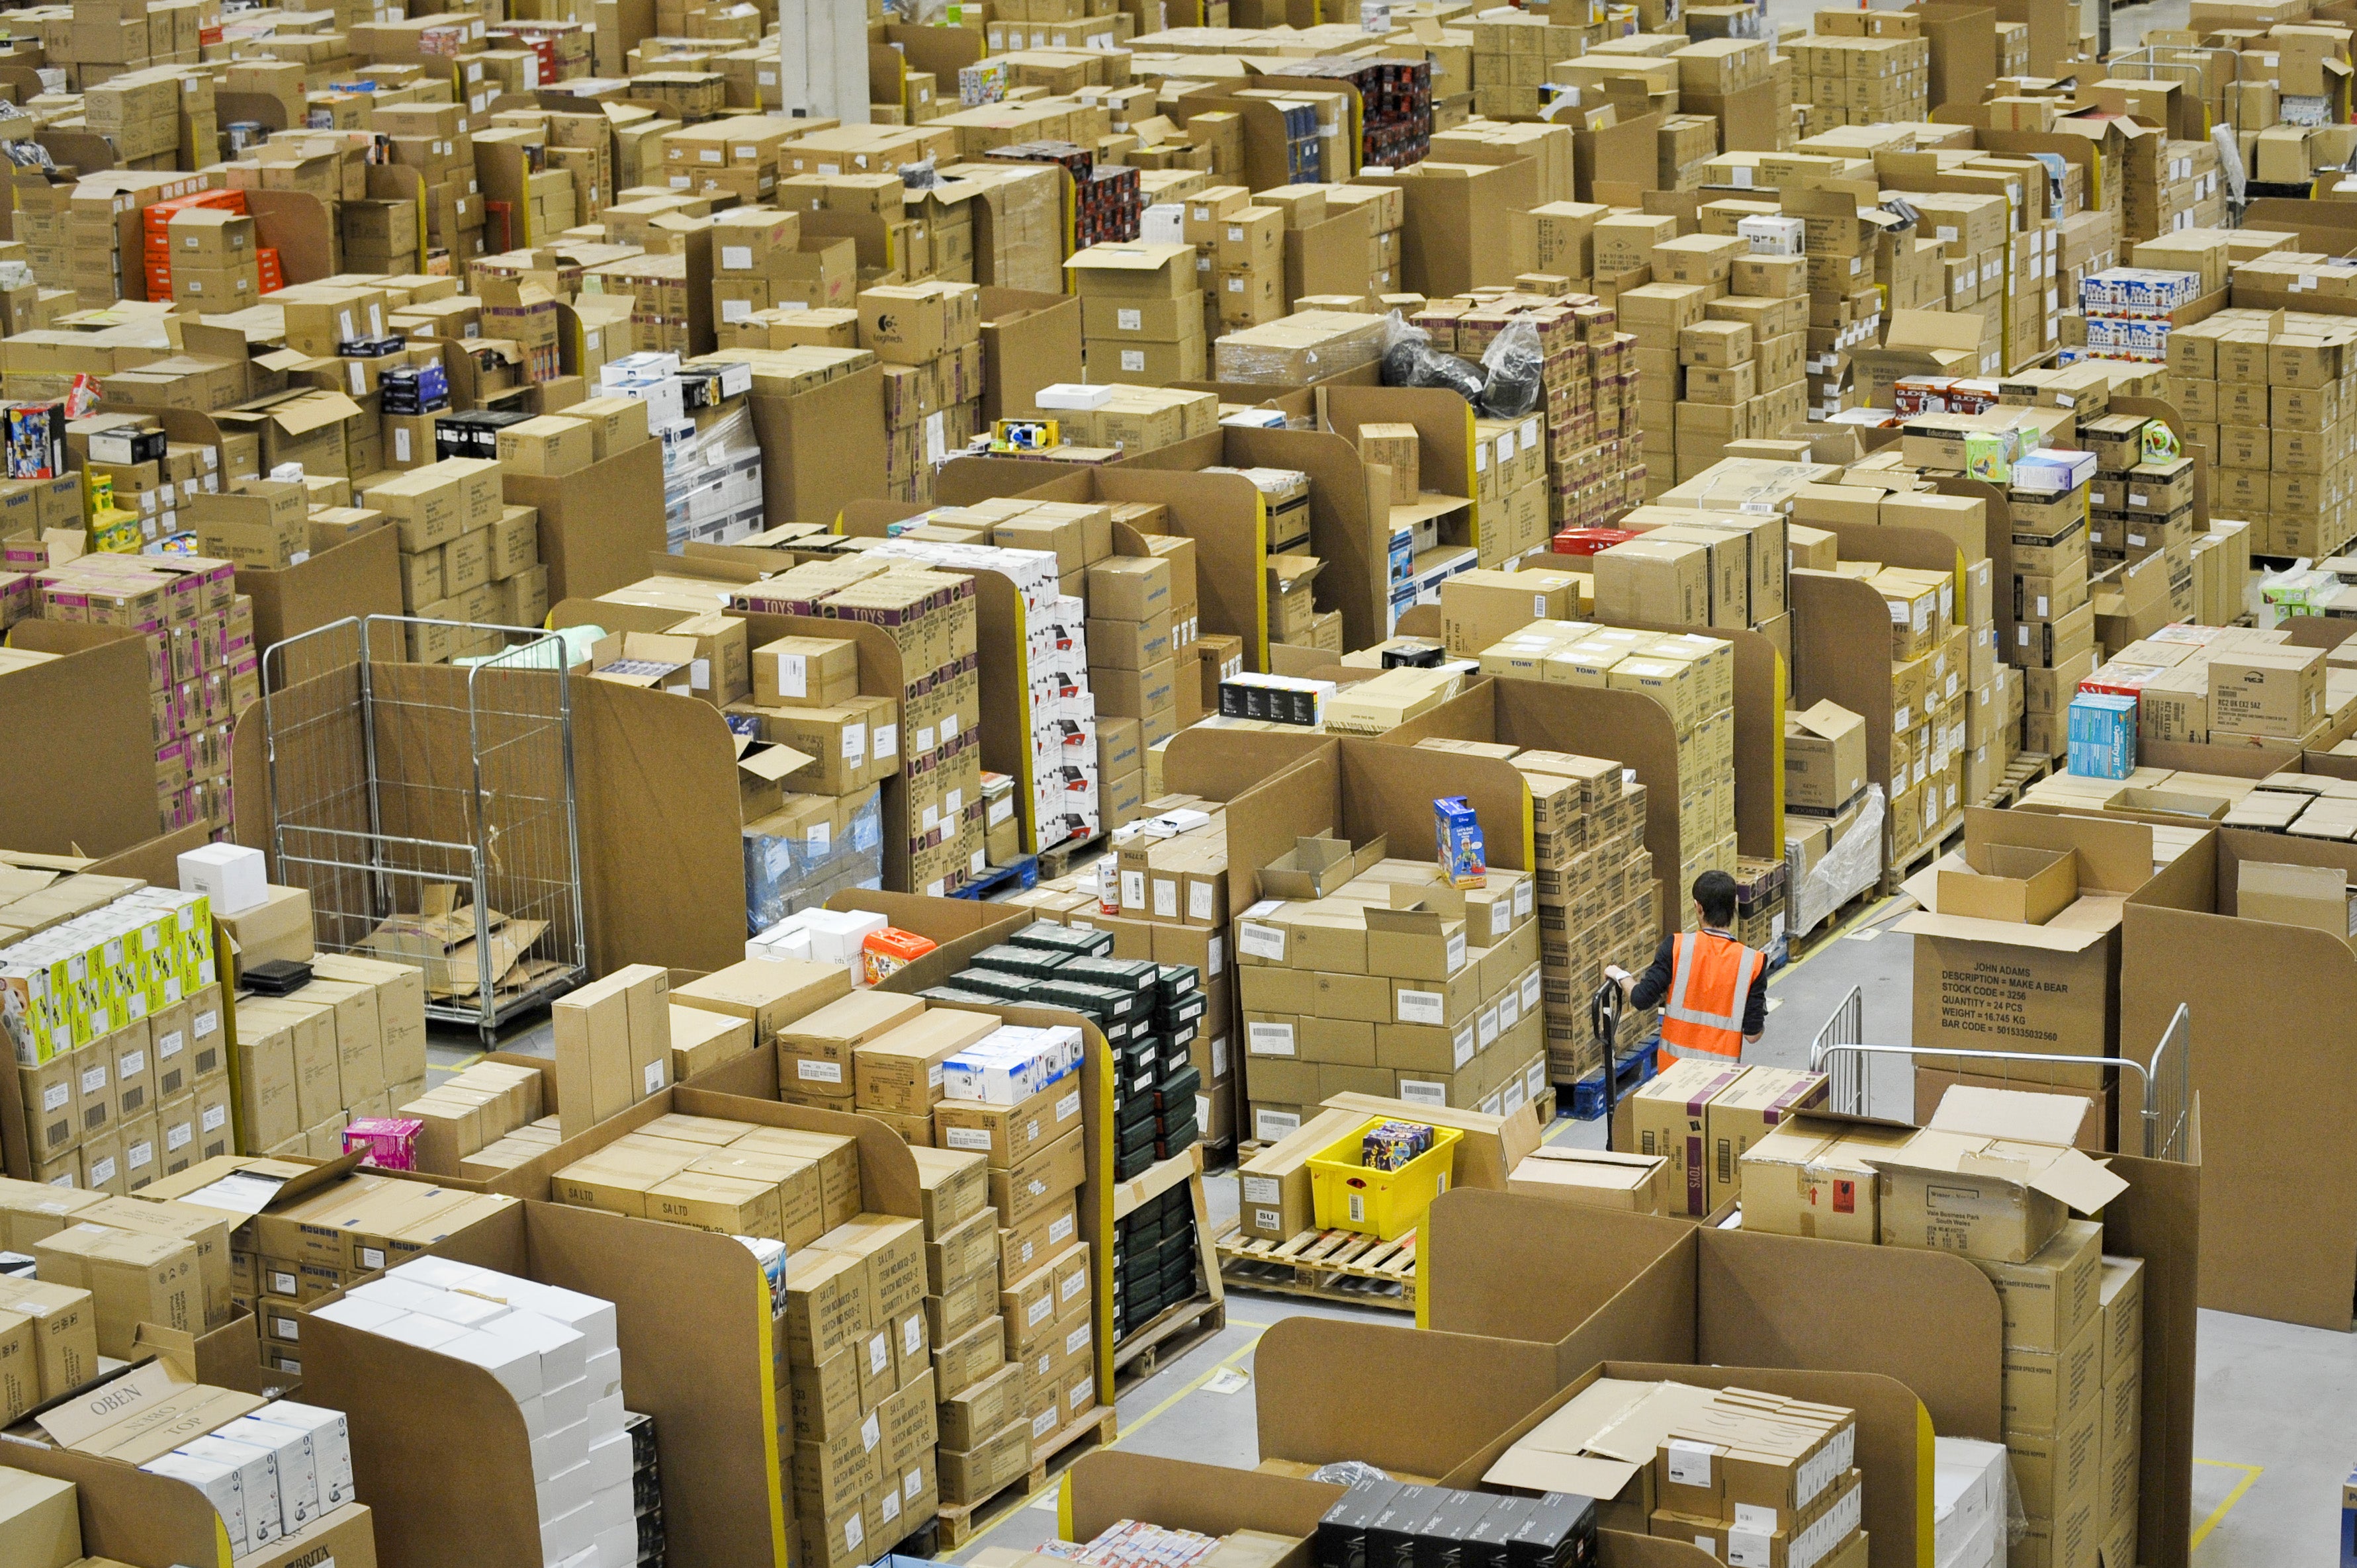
(1716, 987)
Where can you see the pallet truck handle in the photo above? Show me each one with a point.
(1604, 1017)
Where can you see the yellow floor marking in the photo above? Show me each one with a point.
(2250, 1473)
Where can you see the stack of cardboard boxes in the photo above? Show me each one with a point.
(1860, 69)
(454, 527)
(1016, 1345)
(202, 667)
(1363, 974)
(928, 336)
(1133, 670)
(814, 822)
(2224, 686)
(351, 1043)
(931, 732)
(1702, 1116)
(1239, 254)
(1701, 345)
(2269, 396)
(1141, 312)
(613, 1047)
(1691, 677)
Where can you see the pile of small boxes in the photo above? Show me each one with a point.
(555, 1351)
(929, 336)
(1859, 68)
(1141, 312)
(935, 738)
(467, 556)
(203, 669)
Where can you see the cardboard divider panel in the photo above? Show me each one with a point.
(1626, 728)
(1762, 685)
(820, 450)
(598, 524)
(136, 1518)
(1365, 787)
(1110, 1485)
(1327, 1390)
(89, 707)
(1478, 1244)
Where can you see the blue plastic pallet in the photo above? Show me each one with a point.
(1588, 1094)
(1022, 874)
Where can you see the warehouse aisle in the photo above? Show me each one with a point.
(2274, 1432)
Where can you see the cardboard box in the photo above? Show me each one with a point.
(1669, 1118)
(1824, 756)
(1637, 1183)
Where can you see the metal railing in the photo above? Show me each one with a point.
(2164, 1104)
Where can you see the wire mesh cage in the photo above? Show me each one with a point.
(429, 809)
(2156, 1092)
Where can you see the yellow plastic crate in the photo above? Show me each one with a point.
(1382, 1204)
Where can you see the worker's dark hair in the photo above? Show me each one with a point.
(1714, 891)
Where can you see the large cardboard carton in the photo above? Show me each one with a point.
(1979, 1181)
(1824, 756)
(1637, 1183)
(1671, 1118)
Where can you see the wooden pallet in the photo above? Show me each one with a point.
(1330, 1265)
(1060, 859)
(2020, 775)
(1914, 861)
(961, 1522)
(1171, 1335)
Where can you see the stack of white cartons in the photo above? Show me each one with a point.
(554, 1350)
(1056, 656)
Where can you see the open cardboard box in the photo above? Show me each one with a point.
(2023, 883)
(1317, 863)
(1997, 984)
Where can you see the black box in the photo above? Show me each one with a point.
(1341, 1539)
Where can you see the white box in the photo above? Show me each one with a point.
(560, 1449)
(586, 1315)
(563, 1351)
(617, 1547)
(565, 1403)
(331, 1446)
(298, 1480)
(564, 1492)
(257, 1482)
(565, 1535)
(610, 1460)
(232, 876)
(614, 1506)
(425, 1333)
(604, 1371)
(222, 1485)
(606, 1414)
(517, 1367)
(368, 1317)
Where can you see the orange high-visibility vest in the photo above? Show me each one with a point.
(1710, 978)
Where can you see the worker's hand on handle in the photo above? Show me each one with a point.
(1620, 976)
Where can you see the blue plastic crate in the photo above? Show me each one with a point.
(1637, 1068)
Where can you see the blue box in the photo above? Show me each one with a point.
(2102, 736)
(1463, 863)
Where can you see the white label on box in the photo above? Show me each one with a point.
(1521, 897)
(887, 746)
(1266, 1219)
(57, 1097)
(1510, 1008)
(1269, 1039)
(282, 1285)
(793, 677)
(949, 728)
(913, 1486)
(139, 1154)
(1269, 1126)
(1509, 1100)
(1462, 1047)
(1068, 1106)
(1263, 1189)
(1454, 949)
(178, 1135)
(889, 1509)
(1044, 1307)
(1689, 1462)
(93, 1080)
(855, 1533)
(1422, 1091)
(1133, 891)
(699, 674)
(1060, 1230)
(1422, 1008)
(736, 258)
(1485, 1026)
(968, 1138)
(1256, 940)
(855, 743)
(1531, 990)
(214, 1117)
(1752, 1517)
(1133, 360)
(655, 1078)
(1534, 1079)
(1166, 898)
(818, 1072)
(1128, 320)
